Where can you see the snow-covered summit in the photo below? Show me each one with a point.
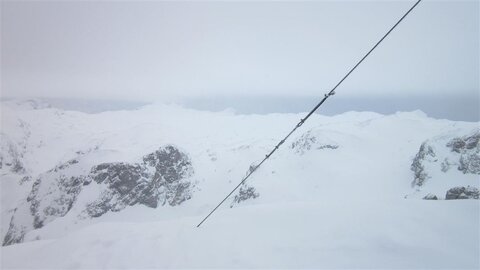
(67, 176)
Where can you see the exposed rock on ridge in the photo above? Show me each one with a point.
(450, 164)
(426, 153)
(160, 178)
(462, 193)
(310, 141)
(469, 149)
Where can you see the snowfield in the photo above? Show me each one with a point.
(343, 192)
(357, 234)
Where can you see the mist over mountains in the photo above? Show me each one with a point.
(452, 108)
(359, 189)
(124, 124)
(457, 108)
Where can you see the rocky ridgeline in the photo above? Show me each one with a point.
(462, 193)
(457, 193)
(161, 178)
(439, 156)
(424, 155)
(10, 156)
(468, 148)
(310, 141)
(11, 153)
(245, 192)
(155, 181)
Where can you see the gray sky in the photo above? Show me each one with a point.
(151, 51)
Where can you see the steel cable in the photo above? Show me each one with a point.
(326, 96)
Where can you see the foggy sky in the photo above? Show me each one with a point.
(151, 51)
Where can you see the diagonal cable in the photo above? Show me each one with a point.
(330, 93)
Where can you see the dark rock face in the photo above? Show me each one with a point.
(120, 177)
(124, 184)
(252, 168)
(420, 175)
(15, 232)
(245, 193)
(309, 141)
(457, 145)
(11, 157)
(446, 157)
(464, 155)
(430, 196)
(56, 197)
(178, 193)
(470, 163)
(457, 193)
(159, 179)
(462, 144)
(25, 179)
(52, 195)
(170, 164)
(11, 152)
(469, 149)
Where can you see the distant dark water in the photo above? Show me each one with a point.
(456, 108)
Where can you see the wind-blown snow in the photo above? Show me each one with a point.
(347, 206)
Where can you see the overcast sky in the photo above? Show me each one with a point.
(151, 51)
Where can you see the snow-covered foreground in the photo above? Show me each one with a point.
(327, 234)
(340, 194)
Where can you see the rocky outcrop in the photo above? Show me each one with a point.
(461, 153)
(10, 156)
(170, 164)
(245, 193)
(448, 160)
(52, 195)
(160, 178)
(312, 141)
(17, 228)
(155, 181)
(45, 209)
(458, 193)
(469, 149)
(425, 154)
(430, 196)
(462, 144)
(12, 151)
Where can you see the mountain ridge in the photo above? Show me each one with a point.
(353, 157)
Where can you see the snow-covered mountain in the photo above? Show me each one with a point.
(127, 189)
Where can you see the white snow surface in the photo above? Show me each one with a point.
(349, 207)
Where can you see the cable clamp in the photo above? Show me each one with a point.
(300, 123)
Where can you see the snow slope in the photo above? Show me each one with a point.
(291, 235)
(337, 195)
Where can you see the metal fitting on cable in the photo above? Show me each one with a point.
(331, 93)
(300, 123)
